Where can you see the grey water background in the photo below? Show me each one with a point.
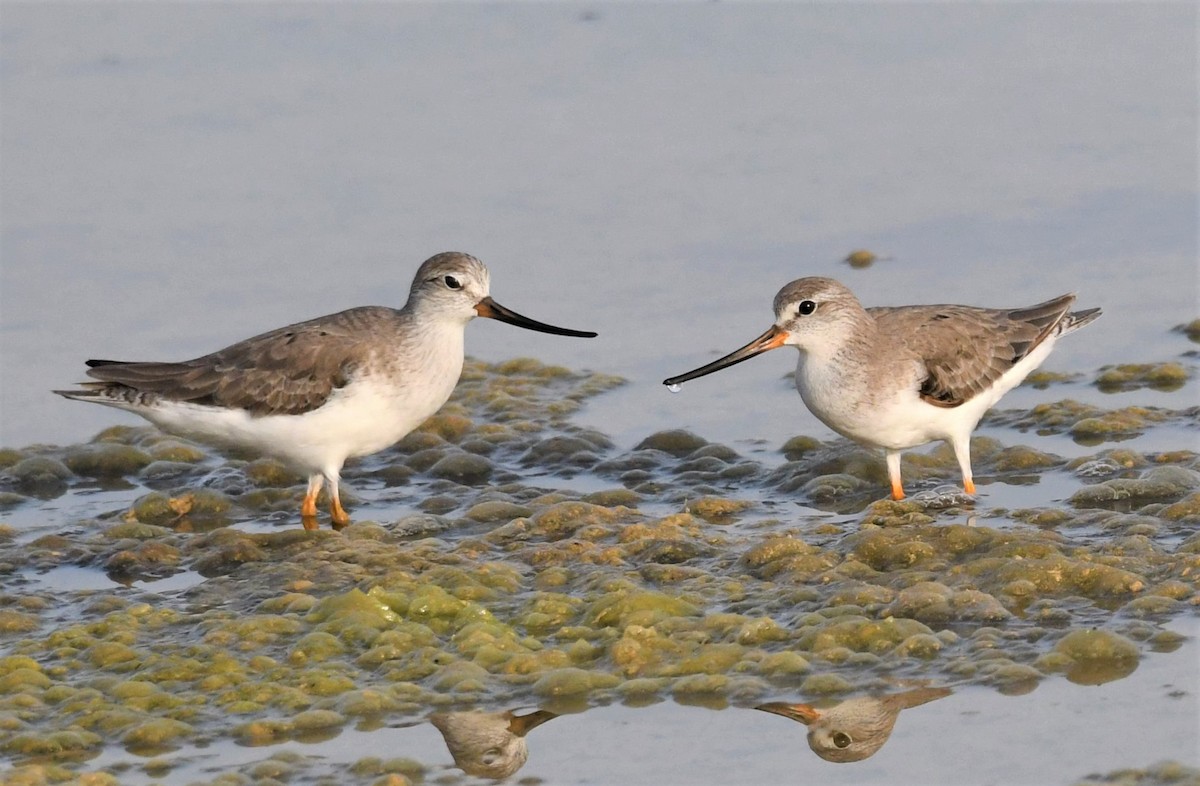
(174, 178)
(179, 177)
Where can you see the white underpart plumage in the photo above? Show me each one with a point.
(366, 416)
(899, 418)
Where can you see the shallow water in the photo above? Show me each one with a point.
(178, 178)
(654, 173)
(181, 622)
(674, 743)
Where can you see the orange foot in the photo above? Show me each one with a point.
(969, 486)
(897, 490)
(340, 517)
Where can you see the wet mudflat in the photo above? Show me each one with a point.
(628, 573)
(179, 625)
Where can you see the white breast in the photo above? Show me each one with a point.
(371, 413)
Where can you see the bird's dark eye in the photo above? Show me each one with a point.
(806, 307)
(840, 738)
(452, 282)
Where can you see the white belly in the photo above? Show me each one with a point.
(883, 416)
(889, 413)
(362, 418)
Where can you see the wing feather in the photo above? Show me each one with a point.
(287, 371)
(965, 349)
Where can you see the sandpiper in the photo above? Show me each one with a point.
(316, 393)
(856, 728)
(489, 744)
(899, 377)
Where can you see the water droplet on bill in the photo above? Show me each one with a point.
(674, 388)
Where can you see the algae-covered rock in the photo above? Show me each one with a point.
(114, 655)
(774, 548)
(1012, 678)
(317, 719)
(1159, 484)
(447, 425)
(827, 684)
(8, 500)
(621, 609)
(54, 744)
(1097, 656)
(798, 447)
(1151, 606)
(13, 621)
(225, 552)
(784, 663)
(1186, 510)
(921, 645)
(271, 473)
(860, 634)
(643, 687)
(40, 476)
(613, 498)
(669, 551)
(497, 510)
(889, 549)
(1021, 458)
(564, 450)
(716, 509)
(694, 686)
(136, 530)
(896, 513)
(468, 469)
(176, 452)
(157, 733)
(151, 558)
(201, 504)
(711, 659)
(1115, 424)
(420, 525)
(572, 682)
(9, 456)
(1041, 379)
(828, 487)
(19, 679)
(565, 518)
(1190, 329)
(677, 442)
(316, 647)
(1157, 376)
(926, 601)
(354, 607)
(105, 460)
(160, 472)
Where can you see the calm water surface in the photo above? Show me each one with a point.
(176, 178)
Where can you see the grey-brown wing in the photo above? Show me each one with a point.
(967, 349)
(287, 371)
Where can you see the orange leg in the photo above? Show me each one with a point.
(340, 517)
(962, 452)
(308, 509)
(893, 466)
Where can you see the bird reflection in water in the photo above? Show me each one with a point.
(856, 728)
(488, 744)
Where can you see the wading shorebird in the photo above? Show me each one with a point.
(898, 377)
(856, 728)
(488, 744)
(319, 392)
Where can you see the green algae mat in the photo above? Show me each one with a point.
(503, 556)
